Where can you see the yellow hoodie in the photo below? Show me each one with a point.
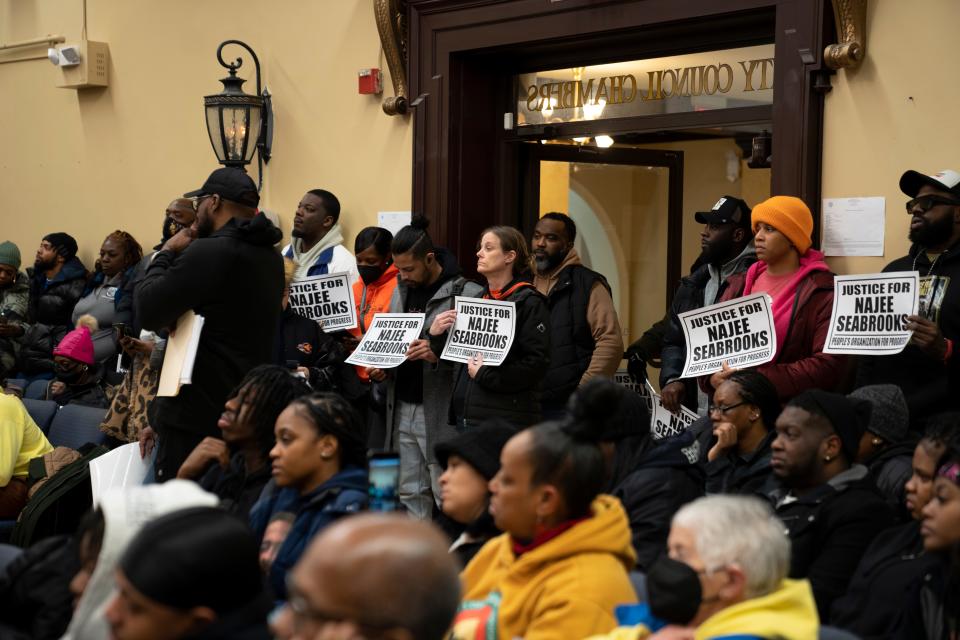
(788, 613)
(20, 439)
(566, 588)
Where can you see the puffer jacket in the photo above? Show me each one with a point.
(14, 302)
(512, 390)
(801, 363)
(52, 303)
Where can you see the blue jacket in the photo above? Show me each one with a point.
(343, 494)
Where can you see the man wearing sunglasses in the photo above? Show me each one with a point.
(225, 269)
(927, 370)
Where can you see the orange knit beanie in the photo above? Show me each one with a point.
(788, 215)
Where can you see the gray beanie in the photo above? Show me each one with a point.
(890, 417)
(9, 254)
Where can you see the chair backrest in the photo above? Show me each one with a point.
(42, 412)
(17, 382)
(834, 633)
(75, 425)
(36, 389)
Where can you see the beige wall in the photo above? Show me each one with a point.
(898, 111)
(94, 160)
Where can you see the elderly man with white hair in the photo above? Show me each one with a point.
(724, 575)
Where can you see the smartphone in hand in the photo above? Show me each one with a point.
(384, 481)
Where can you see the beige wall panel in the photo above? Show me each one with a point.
(94, 160)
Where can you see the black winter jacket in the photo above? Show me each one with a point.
(512, 390)
(299, 339)
(689, 296)
(829, 529)
(878, 599)
(234, 279)
(735, 474)
(52, 304)
(35, 598)
(930, 386)
(890, 470)
(571, 337)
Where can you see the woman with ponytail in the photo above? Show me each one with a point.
(561, 566)
(510, 391)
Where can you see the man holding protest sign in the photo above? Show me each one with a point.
(317, 244)
(587, 339)
(419, 390)
(727, 249)
(926, 370)
(225, 269)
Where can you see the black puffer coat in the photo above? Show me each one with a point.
(53, 303)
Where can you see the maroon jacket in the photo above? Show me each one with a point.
(801, 363)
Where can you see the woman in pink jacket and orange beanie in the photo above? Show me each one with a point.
(801, 286)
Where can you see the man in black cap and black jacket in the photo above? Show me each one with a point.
(927, 369)
(727, 243)
(224, 268)
(831, 507)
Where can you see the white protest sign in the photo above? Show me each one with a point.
(663, 423)
(739, 332)
(483, 327)
(869, 313)
(625, 380)
(385, 343)
(327, 299)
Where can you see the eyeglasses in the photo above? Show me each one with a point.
(925, 203)
(196, 200)
(305, 614)
(714, 408)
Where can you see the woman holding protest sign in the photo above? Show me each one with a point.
(800, 284)
(511, 390)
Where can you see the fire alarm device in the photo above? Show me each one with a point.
(371, 82)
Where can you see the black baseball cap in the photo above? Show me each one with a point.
(230, 184)
(728, 210)
(946, 180)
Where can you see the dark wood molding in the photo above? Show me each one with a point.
(464, 53)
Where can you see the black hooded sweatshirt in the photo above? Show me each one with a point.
(930, 386)
(234, 279)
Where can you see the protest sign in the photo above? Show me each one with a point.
(624, 379)
(870, 313)
(327, 299)
(663, 423)
(484, 327)
(385, 343)
(739, 332)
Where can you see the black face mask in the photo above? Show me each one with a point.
(70, 375)
(674, 591)
(170, 228)
(369, 274)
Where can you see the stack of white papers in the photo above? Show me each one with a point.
(180, 355)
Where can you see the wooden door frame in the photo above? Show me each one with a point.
(463, 54)
(672, 160)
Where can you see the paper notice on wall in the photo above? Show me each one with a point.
(870, 313)
(327, 299)
(393, 221)
(853, 226)
(483, 327)
(385, 343)
(663, 423)
(739, 332)
(625, 380)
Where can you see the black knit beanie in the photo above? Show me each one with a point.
(479, 446)
(63, 243)
(848, 416)
(198, 557)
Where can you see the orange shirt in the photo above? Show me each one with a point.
(377, 300)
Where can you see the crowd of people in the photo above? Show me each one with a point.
(815, 492)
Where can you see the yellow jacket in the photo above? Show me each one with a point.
(565, 588)
(20, 439)
(788, 613)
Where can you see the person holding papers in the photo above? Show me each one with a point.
(226, 270)
(512, 390)
(801, 286)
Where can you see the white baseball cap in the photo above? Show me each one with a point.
(946, 180)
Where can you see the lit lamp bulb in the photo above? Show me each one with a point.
(604, 141)
(592, 111)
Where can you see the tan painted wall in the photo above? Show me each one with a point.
(898, 111)
(91, 161)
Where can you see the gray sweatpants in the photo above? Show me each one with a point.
(419, 480)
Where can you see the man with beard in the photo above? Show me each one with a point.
(225, 269)
(317, 246)
(727, 243)
(57, 281)
(927, 369)
(586, 340)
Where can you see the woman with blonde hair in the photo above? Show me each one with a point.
(510, 391)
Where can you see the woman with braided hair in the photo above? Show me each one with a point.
(319, 474)
(108, 296)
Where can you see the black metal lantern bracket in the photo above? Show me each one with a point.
(233, 94)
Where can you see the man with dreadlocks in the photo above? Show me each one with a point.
(108, 296)
(236, 468)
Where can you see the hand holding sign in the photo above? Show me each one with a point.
(387, 342)
(484, 327)
(927, 337)
(420, 350)
(871, 314)
(442, 322)
(327, 299)
(735, 333)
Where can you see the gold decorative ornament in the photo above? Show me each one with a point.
(392, 25)
(851, 20)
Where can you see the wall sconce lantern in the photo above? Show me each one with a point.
(239, 123)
